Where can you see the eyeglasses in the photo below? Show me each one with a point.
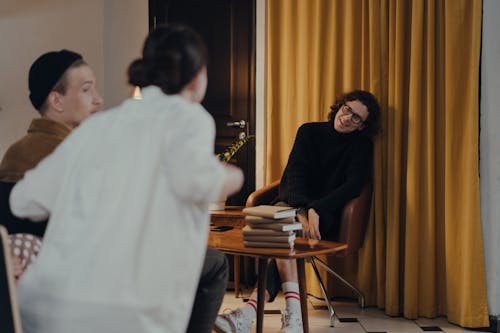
(355, 118)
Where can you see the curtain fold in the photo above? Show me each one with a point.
(423, 250)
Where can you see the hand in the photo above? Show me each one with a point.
(312, 243)
(305, 224)
(313, 219)
(233, 181)
(310, 224)
(17, 268)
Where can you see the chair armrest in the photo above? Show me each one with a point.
(354, 220)
(14, 224)
(264, 195)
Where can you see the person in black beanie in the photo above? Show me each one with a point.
(62, 89)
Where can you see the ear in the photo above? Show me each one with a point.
(55, 101)
(361, 127)
(197, 87)
(196, 81)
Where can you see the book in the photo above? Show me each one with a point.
(277, 226)
(257, 219)
(249, 231)
(270, 212)
(269, 244)
(272, 239)
(272, 227)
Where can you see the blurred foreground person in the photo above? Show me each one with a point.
(127, 194)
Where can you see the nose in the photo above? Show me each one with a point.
(348, 117)
(97, 99)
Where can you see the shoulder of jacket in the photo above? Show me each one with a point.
(363, 142)
(311, 126)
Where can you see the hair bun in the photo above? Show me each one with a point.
(137, 73)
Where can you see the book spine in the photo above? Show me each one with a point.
(271, 239)
(268, 244)
(258, 219)
(270, 212)
(269, 233)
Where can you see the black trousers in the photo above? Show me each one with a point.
(273, 280)
(210, 292)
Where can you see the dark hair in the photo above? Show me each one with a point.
(372, 123)
(171, 57)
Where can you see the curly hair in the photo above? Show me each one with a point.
(372, 123)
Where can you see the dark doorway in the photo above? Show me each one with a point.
(228, 28)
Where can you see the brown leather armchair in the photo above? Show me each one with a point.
(353, 223)
(9, 316)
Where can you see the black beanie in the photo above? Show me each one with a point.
(46, 71)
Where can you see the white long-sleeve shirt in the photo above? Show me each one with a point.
(127, 194)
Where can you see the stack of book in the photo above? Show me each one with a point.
(270, 226)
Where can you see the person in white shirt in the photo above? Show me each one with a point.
(127, 193)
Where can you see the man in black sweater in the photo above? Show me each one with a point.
(329, 164)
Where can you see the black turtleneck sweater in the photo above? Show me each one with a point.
(325, 170)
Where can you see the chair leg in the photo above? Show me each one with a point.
(236, 275)
(325, 295)
(246, 271)
(361, 298)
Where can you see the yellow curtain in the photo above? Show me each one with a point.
(422, 254)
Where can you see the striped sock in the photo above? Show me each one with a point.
(250, 309)
(292, 296)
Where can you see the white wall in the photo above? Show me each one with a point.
(260, 94)
(94, 28)
(125, 28)
(490, 149)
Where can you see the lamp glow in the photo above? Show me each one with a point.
(137, 93)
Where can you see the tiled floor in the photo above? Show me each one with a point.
(353, 319)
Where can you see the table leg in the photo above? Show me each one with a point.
(236, 275)
(246, 271)
(261, 293)
(303, 294)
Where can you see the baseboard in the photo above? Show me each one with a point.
(495, 324)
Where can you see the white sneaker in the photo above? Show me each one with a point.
(233, 322)
(291, 322)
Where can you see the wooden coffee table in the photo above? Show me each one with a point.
(232, 216)
(231, 242)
